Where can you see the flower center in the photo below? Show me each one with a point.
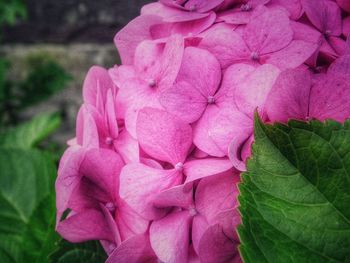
(255, 56)
(110, 206)
(152, 83)
(109, 140)
(327, 33)
(192, 211)
(179, 166)
(246, 7)
(211, 100)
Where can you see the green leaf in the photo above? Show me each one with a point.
(88, 252)
(31, 133)
(26, 205)
(295, 197)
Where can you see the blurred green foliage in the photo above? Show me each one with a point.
(11, 10)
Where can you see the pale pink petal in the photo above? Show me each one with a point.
(197, 82)
(326, 17)
(135, 32)
(294, 7)
(217, 194)
(68, 177)
(96, 85)
(186, 28)
(139, 185)
(87, 225)
(199, 226)
(129, 222)
(251, 94)
(202, 6)
(170, 14)
(263, 36)
(120, 74)
(226, 45)
(239, 148)
(340, 66)
(306, 33)
(112, 226)
(295, 54)
(215, 247)
(127, 147)
(289, 97)
(163, 136)
(197, 169)
(170, 237)
(177, 196)
(136, 249)
(338, 45)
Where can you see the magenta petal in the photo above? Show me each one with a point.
(170, 237)
(346, 26)
(263, 36)
(163, 136)
(252, 92)
(197, 169)
(199, 226)
(136, 249)
(295, 54)
(87, 225)
(345, 4)
(215, 247)
(289, 97)
(140, 185)
(226, 45)
(326, 17)
(238, 150)
(130, 36)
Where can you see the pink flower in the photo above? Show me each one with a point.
(161, 139)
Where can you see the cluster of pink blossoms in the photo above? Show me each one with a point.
(161, 139)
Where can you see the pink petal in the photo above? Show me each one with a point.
(338, 45)
(239, 148)
(289, 97)
(297, 52)
(294, 7)
(217, 194)
(252, 93)
(127, 147)
(88, 225)
(226, 45)
(68, 177)
(163, 136)
(199, 226)
(332, 103)
(130, 36)
(102, 167)
(198, 80)
(345, 4)
(170, 14)
(129, 222)
(136, 249)
(340, 66)
(202, 6)
(346, 26)
(177, 196)
(186, 28)
(263, 36)
(326, 17)
(96, 85)
(197, 169)
(140, 185)
(170, 237)
(216, 247)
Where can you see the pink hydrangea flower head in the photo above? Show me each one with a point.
(162, 138)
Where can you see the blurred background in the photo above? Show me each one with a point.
(46, 48)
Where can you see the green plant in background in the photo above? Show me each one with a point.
(11, 10)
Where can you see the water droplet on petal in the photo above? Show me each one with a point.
(192, 211)
(152, 83)
(255, 56)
